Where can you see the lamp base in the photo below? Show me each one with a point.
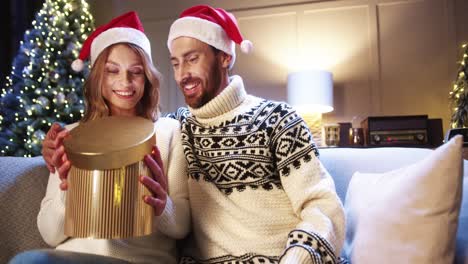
(314, 122)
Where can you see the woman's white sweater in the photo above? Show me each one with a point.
(174, 223)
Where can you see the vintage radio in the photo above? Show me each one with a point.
(104, 197)
(458, 131)
(408, 131)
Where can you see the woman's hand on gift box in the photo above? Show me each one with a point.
(156, 183)
(54, 155)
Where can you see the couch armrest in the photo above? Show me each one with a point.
(23, 183)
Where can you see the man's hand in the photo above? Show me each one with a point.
(157, 184)
(54, 155)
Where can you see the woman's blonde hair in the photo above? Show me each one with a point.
(95, 105)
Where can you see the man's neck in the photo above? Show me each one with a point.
(232, 95)
(224, 83)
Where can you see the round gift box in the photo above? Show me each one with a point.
(104, 196)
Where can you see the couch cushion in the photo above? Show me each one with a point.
(462, 232)
(408, 215)
(342, 163)
(23, 183)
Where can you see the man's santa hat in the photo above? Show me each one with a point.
(126, 28)
(213, 26)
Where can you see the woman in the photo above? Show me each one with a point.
(124, 82)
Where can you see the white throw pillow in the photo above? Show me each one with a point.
(408, 215)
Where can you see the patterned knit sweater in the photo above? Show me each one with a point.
(174, 223)
(258, 192)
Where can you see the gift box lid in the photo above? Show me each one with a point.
(110, 142)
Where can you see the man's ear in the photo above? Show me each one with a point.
(225, 59)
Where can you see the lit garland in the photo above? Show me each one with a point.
(42, 88)
(459, 93)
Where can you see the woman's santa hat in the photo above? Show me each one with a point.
(126, 28)
(213, 26)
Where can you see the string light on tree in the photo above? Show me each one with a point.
(459, 93)
(42, 88)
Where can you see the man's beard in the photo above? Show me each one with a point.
(213, 85)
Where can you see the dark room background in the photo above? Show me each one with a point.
(16, 17)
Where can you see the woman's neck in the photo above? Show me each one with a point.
(123, 112)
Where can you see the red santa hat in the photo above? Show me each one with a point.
(213, 26)
(126, 28)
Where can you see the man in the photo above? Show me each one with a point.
(258, 192)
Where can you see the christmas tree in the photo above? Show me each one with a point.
(42, 88)
(459, 93)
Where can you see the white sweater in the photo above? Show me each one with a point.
(174, 223)
(258, 191)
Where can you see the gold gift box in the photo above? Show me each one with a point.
(104, 196)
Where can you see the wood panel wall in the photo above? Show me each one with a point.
(388, 57)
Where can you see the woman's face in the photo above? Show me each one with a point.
(124, 81)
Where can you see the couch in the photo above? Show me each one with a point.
(23, 182)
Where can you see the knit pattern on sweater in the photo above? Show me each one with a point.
(250, 151)
(247, 158)
(319, 249)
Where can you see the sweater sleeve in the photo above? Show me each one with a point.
(319, 235)
(180, 114)
(175, 219)
(51, 217)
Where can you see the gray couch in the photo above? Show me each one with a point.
(23, 182)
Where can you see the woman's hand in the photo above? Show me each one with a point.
(157, 184)
(53, 152)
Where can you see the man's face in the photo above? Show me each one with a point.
(197, 70)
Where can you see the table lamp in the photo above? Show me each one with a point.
(311, 94)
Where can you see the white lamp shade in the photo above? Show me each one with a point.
(311, 91)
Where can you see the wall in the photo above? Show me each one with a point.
(388, 57)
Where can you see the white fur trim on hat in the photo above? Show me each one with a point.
(203, 30)
(119, 35)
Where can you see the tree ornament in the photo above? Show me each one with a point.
(44, 101)
(26, 71)
(39, 135)
(54, 76)
(29, 110)
(60, 99)
(72, 98)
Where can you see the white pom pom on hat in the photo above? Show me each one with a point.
(246, 46)
(126, 28)
(213, 26)
(77, 65)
